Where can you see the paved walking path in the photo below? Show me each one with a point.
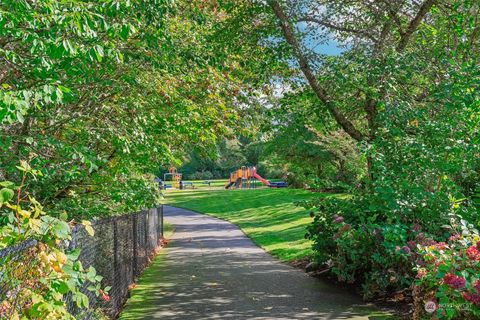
(211, 270)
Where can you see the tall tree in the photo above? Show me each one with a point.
(386, 58)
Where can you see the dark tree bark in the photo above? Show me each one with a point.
(340, 118)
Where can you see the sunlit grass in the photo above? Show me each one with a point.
(268, 216)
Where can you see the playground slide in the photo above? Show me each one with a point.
(280, 184)
(259, 177)
(246, 174)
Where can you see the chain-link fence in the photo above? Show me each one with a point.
(119, 251)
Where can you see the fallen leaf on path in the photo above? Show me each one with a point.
(212, 284)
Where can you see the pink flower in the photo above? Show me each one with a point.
(454, 237)
(473, 253)
(416, 227)
(420, 236)
(472, 297)
(105, 296)
(412, 244)
(429, 242)
(421, 273)
(441, 245)
(337, 219)
(454, 281)
(477, 286)
(406, 249)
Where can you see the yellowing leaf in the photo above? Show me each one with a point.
(88, 227)
(25, 214)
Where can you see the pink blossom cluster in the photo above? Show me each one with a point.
(454, 237)
(421, 273)
(454, 281)
(337, 219)
(473, 253)
(473, 297)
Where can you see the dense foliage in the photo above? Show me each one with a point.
(313, 152)
(98, 94)
(227, 156)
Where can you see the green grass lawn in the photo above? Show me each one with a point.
(199, 184)
(268, 216)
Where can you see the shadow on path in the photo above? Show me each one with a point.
(211, 270)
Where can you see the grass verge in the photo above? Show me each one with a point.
(268, 216)
(140, 294)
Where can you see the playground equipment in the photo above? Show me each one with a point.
(246, 178)
(175, 176)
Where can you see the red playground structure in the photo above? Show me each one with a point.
(246, 178)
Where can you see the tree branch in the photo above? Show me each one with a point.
(312, 80)
(412, 27)
(335, 27)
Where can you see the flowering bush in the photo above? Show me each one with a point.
(37, 280)
(373, 254)
(449, 276)
(376, 250)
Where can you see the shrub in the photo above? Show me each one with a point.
(449, 276)
(371, 239)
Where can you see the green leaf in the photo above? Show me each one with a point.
(99, 52)
(7, 184)
(63, 216)
(61, 287)
(20, 117)
(85, 301)
(91, 273)
(73, 256)
(6, 195)
(61, 229)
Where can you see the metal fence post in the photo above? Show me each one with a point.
(115, 262)
(145, 226)
(134, 256)
(161, 220)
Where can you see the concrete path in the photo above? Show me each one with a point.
(213, 271)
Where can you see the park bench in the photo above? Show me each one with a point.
(187, 184)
